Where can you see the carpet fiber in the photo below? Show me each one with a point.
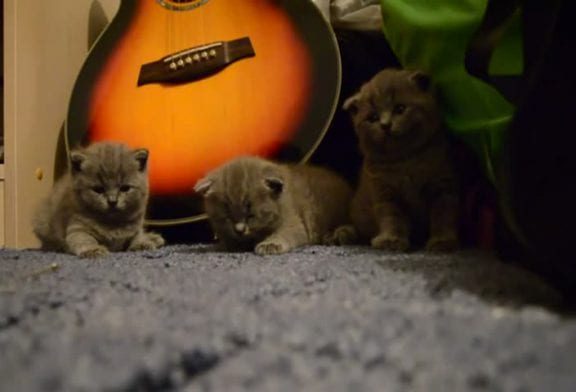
(319, 319)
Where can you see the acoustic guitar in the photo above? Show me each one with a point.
(199, 82)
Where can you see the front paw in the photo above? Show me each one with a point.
(442, 244)
(93, 252)
(272, 247)
(156, 239)
(343, 235)
(148, 241)
(390, 243)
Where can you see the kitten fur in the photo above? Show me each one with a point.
(408, 187)
(256, 204)
(99, 205)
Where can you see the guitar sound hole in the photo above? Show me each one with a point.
(181, 5)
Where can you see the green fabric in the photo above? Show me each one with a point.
(432, 35)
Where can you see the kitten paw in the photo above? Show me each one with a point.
(94, 252)
(442, 244)
(390, 243)
(271, 248)
(156, 239)
(343, 235)
(141, 245)
(148, 241)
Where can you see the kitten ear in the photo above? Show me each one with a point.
(141, 156)
(204, 186)
(275, 184)
(77, 158)
(421, 80)
(351, 104)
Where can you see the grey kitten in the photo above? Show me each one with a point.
(256, 204)
(407, 184)
(99, 206)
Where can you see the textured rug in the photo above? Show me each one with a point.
(319, 319)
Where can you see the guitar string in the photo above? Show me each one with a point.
(169, 49)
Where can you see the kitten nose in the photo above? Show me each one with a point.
(112, 203)
(386, 126)
(241, 228)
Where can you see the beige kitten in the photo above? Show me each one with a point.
(99, 206)
(407, 182)
(256, 204)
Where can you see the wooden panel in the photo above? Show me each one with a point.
(45, 45)
(2, 234)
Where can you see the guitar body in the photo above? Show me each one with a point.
(199, 82)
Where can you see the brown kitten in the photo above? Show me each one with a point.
(99, 206)
(256, 204)
(407, 182)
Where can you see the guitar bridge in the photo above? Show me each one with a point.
(195, 63)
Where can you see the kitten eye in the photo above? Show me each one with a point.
(124, 188)
(373, 117)
(399, 108)
(98, 189)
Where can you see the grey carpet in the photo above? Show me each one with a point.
(318, 319)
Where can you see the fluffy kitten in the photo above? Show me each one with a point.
(407, 183)
(99, 206)
(253, 203)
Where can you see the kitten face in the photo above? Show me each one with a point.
(110, 179)
(394, 113)
(242, 201)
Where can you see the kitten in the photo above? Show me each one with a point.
(99, 206)
(407, 182)
(256, 204)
